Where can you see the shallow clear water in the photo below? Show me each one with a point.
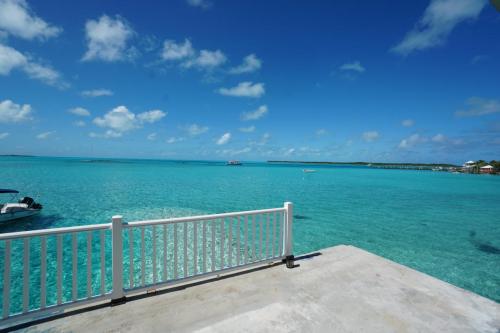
(443, 224)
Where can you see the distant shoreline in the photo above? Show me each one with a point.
(376, 164)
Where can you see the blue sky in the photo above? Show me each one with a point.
(399, 81)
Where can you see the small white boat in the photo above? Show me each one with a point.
(233, 163)
(308, 170)
(24, 207)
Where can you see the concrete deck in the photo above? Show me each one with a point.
(344, 289)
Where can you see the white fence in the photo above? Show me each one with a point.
(47, 271)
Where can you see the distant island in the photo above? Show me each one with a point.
(375, 164)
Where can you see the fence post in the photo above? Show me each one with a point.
(289, 235)
(117, 295)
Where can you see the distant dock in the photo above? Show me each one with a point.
(339, 289)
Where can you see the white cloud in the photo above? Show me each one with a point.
(79, 111)
(263, 140)
(80, 123)
(248, 129)
(479, 107)
(151, 116)
(289, 152)
(177, 51)
(439, 138)
(411, 141)
(321, 132)
(109, 134)
(408, 122)
(11, 112)
(17, 19)
(204, 4)
(256, 114)
(121, 120)
(4, 135)
(438, 21)
(370, 136)
(174, 140)
(353, 66)
(195, 129)
(11, 59)
(107, 39)
(244, 89)
(97, 93)
(206, 60)
(151, 137)
(250, 64)
(45, 135)
(224, 139)
(233, 152)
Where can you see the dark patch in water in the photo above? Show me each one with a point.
(301, 217)
(481, 246)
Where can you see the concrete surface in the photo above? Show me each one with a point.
(344, 289)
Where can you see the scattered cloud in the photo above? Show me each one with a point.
(17, 19)
(408, 123)
(439, 138)
(11, 59)
(370, 136)
(438, 21)
(4, 135)
(248, 129)
(289, 151)
(177, 51)
(109, 134)
(479, 107)
(204, 4)
(79, 111)
(97, 93)
(256, 114)
(172, 140)
(233, 152)
(411, 141)
(479, 58)
(121, 120)
(152, 137)
(45, 135)
(80, 123)
(244, 89)
(195, 129)
(206, 60)
(11, 112)
(250, 64)
(224, 139)
(264, 139)
(353, 66)
(107, 39)
(321, 132)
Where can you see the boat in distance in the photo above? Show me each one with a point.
(24, 207)
(233, 162)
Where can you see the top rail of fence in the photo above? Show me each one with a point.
(54, 231)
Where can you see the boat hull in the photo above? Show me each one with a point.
(18, 215)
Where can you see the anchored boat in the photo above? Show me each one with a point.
(24, 207)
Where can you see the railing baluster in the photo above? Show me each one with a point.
(26, 272)
(274, 235)
(230, 243)
(238, 235)
(143, 259)
(165, 275)
(103, 263)
(222, 239)
(43, 272)
(185, 250)
(154, 254)
(213, 245)
(267, 236)
(89, 264)
(59, 269)
(253, 238)
(246, 239)
(131, 257)
(261, 221)
(204, 246)
(176, 254)
(195, 248)
(6, 280)
(281, 221)
(75, 266)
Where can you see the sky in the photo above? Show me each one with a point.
(383, 81)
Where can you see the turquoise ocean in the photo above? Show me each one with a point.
(443, 224)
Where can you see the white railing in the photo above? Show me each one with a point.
(145, 255)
